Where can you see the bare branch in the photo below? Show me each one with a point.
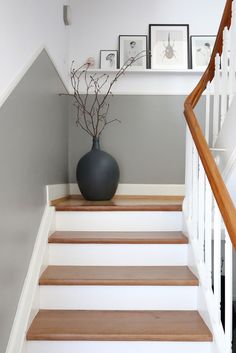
(92, 112)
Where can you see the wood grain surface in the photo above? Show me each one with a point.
(119, 275)
(118, 326)
(75, 237)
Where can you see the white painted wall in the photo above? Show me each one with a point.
(25, 27)
(28, 25)
(97, 24)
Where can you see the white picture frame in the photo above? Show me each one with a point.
(108, 59)
(201, 50)
(169, 46)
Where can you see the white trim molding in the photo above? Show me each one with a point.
(21, 73)
(28, 304)
(141, 189)
(58, 191)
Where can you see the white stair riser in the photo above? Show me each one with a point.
(119, 221)
(118, 254)
(119, 297)
(119, 347)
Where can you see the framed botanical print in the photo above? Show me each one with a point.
(169, 46)
(133, 46)
(108, 59)
(201, 49)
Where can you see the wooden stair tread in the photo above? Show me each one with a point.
(75, 237)
(118, 275)
(108, 325)
(121, 203)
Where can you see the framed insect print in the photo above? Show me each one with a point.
(201, 49)
(133, 46)
(169, 46)
(108, 59)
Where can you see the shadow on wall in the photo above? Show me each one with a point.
(33, 145)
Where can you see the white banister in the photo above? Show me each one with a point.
(216, 108)
(206, 233)
(195, 194)
(224, 69)
(228, 291)
(209, 239)
(201, 213)
(232, 53)
(217, 259)
(208, 110)
(189, 172)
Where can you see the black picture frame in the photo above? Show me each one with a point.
(133, 37)
(186, 52)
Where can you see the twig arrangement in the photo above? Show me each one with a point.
(92, 114)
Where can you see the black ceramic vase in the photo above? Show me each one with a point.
(97, 174)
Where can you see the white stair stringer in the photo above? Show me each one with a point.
(102, 297)
(118, 347)
(119, 221)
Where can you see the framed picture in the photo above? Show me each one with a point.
(169, 46)
(131, 47)
(108, 59)
(201, 49)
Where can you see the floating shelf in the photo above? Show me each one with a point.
(150, 82)
(149, 71)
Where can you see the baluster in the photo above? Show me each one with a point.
(228, 291)
(195, 194)
(201, 210)
(217, 259)
(189, 172)
(224, 67)
(208, 233)
(216, 98)
(232, 56)
(208, 104)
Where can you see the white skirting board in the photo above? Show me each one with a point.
(57, 191)
(29, 300)
(141, 189)
(118, 347)
(61, 190)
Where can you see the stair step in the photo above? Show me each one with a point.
(118, 254)
(79, 325)
(80, 237)
(123, 297)
(122, 203)
(118, 275)
(118, 347)
(133, 221)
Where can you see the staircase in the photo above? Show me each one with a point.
(141, 275)
(118, 281)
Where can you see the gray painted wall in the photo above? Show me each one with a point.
(33, 153)
(149, 144)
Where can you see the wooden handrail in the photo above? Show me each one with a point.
(218, 186)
